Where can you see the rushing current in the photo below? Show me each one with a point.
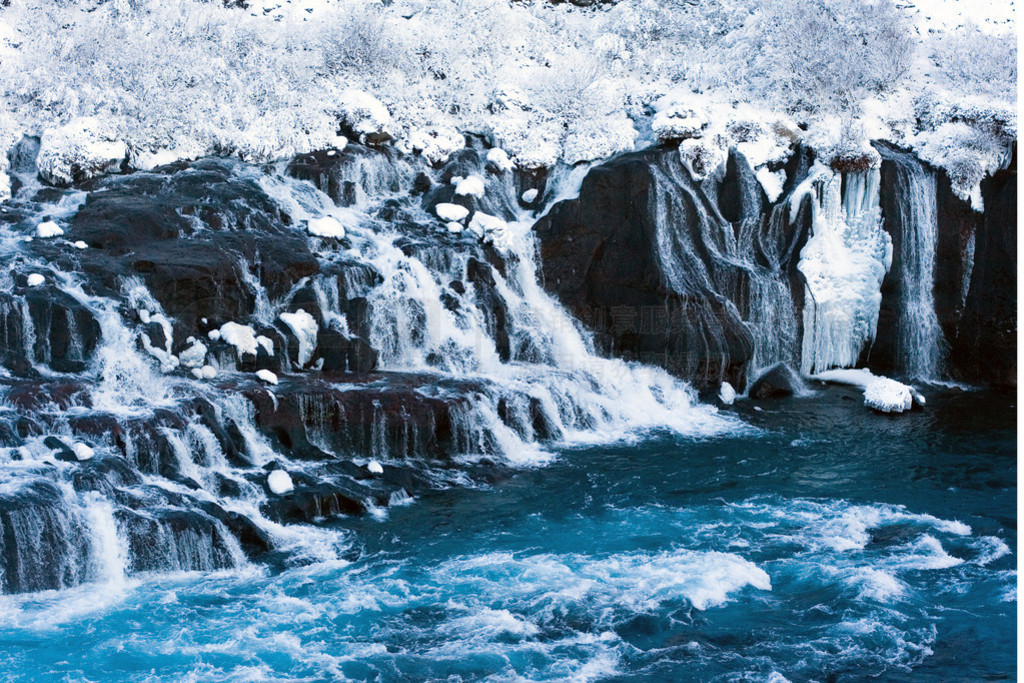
(821, 547)
(283, 423)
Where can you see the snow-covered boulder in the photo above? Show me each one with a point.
(726, 394)
(243, 338)
(365, 115)
(473, 186)
(48, 229)
(451, 212)
(374, 467)
(434, 143)
(35, 279)
(880, 393)
(194, 356)
(326, 226)
(888, 396)
(77, 151)
(83, 451)
(498, 158)
(280, 482)
(530, 196)
(267, 376)
(305, 328)
(679, 123)
(483, 223)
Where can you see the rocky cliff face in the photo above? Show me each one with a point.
(704, 278)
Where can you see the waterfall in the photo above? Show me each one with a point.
(135, 437)
(919, 343)
(844, 262)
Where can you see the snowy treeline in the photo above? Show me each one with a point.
(264, 79)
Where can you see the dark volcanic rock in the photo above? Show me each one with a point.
(635, 258)
(985, 346)
(777, 381)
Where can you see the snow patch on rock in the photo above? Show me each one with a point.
(280, 482)
(305, 329)
(451, 212)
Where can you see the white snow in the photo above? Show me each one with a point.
(472, 186)
(242, 337)
(454, 227)
(374, 467)
(451, 212)
(208, 372)
(80, 245)
(83, 148)
(484, 223)
(267, 376)
(727, 394)
(280, 482)
(326, 226)
(880, 393)
(530, 196)
(35, 279)
(194, 356)
(499, 158)
(365, 114)
(267, 343)
(48, 229)
(591, 138)
(83, 451)
(305, 329)
(771, 182)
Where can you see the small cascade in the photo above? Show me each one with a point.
(844, 262)
(912, 220)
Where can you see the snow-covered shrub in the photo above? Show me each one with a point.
(976, 62)
(590, 139)
(78, 150)
(809, 55)
(365, 116)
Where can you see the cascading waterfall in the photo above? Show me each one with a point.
(475, 361)
(844, 262)
(919, 341)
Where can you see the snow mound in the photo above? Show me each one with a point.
(326, 226)
(726, 394)
(305, 329)
(434, 143)
(473, 186)
(451, 212)
(483, 223)
(242, 337)
(35, 279)
(267, 376)
(374, 467)
(48, 229)
(280, 482)
(194, 356)
(78, 151)
(366, 116)
(530, 196)
(83, 451)
(499, 159)
(880, 393)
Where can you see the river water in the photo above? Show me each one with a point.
(824, 542)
